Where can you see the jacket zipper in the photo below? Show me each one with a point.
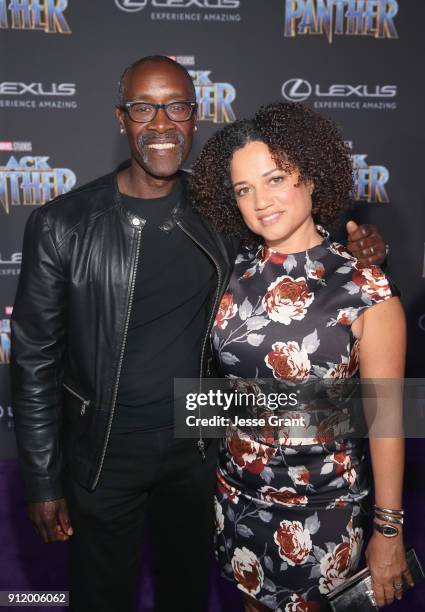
(117, 380)
(85, 403)
(201, 443)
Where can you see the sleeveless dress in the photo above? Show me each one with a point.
(290, 516)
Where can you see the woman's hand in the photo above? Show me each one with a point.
(386, 560)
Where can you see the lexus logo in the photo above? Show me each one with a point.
(296, 90)
(131, 6)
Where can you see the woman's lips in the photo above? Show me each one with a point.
(271, 219)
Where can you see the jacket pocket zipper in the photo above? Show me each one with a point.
(85, 403)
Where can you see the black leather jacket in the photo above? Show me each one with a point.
(70, 322)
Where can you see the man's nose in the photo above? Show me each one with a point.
(161, 123)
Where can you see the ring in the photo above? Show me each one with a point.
(372, 250)
(398, 586)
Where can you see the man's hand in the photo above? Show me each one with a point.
(365, 243)
(51, 520)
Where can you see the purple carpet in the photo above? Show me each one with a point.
(26, 563)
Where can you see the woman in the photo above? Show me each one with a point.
(290, 516)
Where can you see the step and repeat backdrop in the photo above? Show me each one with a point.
(359, 62)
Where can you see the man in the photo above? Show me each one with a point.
(118, 290)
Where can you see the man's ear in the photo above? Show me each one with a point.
(119, 114)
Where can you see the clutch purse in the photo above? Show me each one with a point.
(357, 592)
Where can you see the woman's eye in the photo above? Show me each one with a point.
(241, 191)
(277, 179)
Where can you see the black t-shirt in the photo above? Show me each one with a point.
(175, 280)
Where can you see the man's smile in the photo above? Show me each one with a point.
(161, 145)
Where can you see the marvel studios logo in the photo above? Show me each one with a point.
(184, 60)
(7, 145)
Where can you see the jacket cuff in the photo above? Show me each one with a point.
(39, 489)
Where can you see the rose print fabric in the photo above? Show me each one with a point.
(290, 516)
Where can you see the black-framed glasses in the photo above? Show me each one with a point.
(142, 112)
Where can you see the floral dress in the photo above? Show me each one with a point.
(290, 516)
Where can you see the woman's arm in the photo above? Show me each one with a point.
(382, 334)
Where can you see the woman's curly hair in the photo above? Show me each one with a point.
(298, 139)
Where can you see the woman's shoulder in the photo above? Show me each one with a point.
(359, 286)
(341, 252)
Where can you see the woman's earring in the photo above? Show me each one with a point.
(196, 128)
(122, 130)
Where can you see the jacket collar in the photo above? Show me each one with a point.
(170, 222)
(190, 221)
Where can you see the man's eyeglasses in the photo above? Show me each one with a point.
(142, 112)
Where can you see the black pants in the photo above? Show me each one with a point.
(148, 479)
